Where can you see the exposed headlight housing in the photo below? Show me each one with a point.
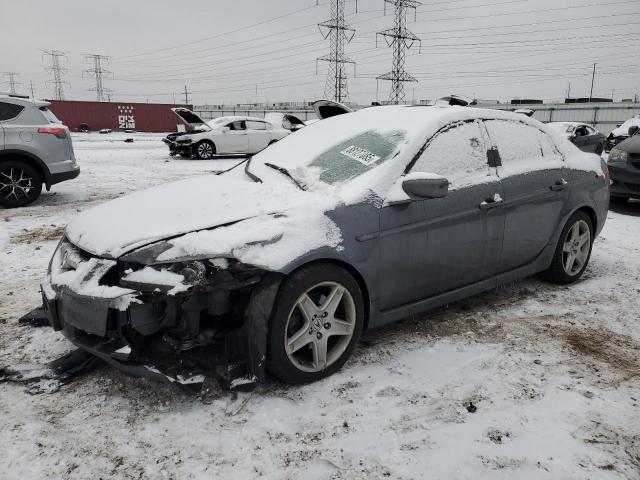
(618, 156)
(185, 141)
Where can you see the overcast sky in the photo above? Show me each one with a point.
(223, 50)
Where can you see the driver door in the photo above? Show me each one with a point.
(235, 140)
(433, 246)
(259, 136)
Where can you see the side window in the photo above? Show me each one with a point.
(459, 154)
(522, 147)
(251, 125)
(9, 111)
(239, 125)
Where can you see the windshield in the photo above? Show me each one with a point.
(350, 158)
(336, 150)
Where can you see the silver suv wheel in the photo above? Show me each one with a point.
(577, 244)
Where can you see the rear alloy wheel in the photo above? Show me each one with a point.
(316, 322)
(20, 184)
(205, 150)
(573, 250)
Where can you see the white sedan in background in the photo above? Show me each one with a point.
(225, 135)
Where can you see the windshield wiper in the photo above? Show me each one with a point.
(286, 172)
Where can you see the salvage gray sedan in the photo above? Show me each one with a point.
(351, 223)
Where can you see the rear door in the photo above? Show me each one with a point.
(533, 175)
(259, 135)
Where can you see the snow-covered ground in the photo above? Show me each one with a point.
(553, 371)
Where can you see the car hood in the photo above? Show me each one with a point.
(630, 145)
(193, 120)
(623, 130)
(117, 227)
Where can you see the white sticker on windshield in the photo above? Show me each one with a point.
(360, 154)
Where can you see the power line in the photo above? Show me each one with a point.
(339, 32)
(400, 39)
(98, 72)
(58, 72)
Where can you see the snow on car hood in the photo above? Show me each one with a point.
(623, 130)
(196, 204)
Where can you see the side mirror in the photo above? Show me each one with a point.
(425, 185)
(225, 129)
(633, 130)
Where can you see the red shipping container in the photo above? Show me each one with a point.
(141, 117)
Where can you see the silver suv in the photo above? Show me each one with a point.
(35, 150)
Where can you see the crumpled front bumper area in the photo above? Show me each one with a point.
(209, 332)
(177, 148)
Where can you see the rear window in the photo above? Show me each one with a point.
(9, 111)
(49, 115)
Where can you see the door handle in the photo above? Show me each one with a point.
(559, 185)
(493, 202)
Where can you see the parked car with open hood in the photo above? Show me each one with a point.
(583, 136)
(225, 135)
(621, 132)
(624, 165)
(35, 150)
(349, 224)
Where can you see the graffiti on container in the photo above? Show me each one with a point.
(126, 119)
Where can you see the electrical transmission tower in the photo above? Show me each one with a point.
(339, 32)
(98, 72)
(12, 81)
(401, 39)
(57, 71)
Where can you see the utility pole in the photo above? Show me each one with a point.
(57, 71)
(401, 39)
(98, 72)
(338, 32)
(33, 95)
(186, 96)
(593, 78)
(569, 91)
(12, 81)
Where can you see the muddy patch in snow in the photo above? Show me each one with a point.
(35, 235)
(619, 353)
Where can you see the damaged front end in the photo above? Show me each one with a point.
(182, 321)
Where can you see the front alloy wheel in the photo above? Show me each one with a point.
(20, 184)
(320, 327)
(205, 150)
(316, 322)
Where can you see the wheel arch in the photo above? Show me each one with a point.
(354, 272)
(31, 160)
(590, 211)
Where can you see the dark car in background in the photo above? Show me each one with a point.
(583, 136)
(621, 133)
(624, 167)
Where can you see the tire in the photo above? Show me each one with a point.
(205, 150)
(20, 184)
(618, 200)
(571, 242)
(311, 335)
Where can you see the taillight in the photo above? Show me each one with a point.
(606, 172)
(57, 131)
